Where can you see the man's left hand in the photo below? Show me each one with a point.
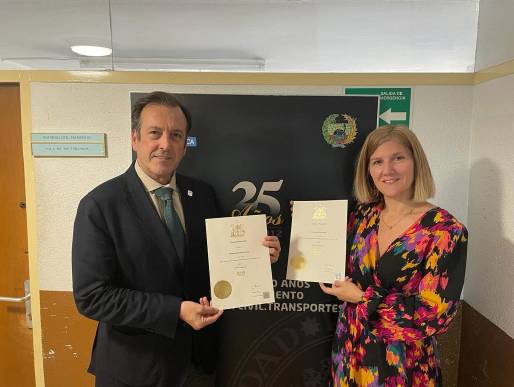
(199, 315)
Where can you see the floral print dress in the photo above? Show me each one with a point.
(411, 294)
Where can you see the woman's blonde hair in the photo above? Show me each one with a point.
(363, 187)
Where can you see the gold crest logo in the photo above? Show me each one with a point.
(320, 213)
(339, 130)
(237, 230)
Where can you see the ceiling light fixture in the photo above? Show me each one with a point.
(91, 50)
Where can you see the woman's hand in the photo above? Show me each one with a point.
(273, 244)
(345, 291)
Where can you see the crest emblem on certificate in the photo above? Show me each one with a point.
(320, 213)
(237, 230)
(339, 130)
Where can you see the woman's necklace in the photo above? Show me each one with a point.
(391, 226)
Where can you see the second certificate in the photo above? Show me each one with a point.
(239, 265)
(317, 247)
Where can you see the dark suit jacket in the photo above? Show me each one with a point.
(127, 276)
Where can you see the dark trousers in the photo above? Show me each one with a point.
(108, 381)
(195, 378)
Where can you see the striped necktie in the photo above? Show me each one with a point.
(172, 220)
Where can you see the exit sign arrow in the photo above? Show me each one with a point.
(389, 116)
(394, 103)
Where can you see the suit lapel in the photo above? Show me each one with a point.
(151, 223)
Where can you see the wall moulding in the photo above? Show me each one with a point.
(239, 78)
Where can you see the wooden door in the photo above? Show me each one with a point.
(16, 351)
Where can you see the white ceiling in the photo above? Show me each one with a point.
(242, 35)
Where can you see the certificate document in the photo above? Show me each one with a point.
(317, 247)
(239, 265)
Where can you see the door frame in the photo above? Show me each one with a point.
(23, 81)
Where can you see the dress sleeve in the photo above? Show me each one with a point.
(350, 225)
(430, 309)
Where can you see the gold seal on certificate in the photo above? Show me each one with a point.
(239, 265)
(317, 248)
(298, 262)
(222, 289)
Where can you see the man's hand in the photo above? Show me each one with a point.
(199, 315)
(273, 244)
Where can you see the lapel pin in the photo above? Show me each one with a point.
(189, 193)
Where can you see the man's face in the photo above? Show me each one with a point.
(162, 144)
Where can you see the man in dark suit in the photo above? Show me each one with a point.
(146, 283)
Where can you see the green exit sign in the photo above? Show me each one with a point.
(394, 105)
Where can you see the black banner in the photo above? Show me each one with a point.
(260, 152)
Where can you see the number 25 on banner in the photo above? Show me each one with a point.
(262, 198)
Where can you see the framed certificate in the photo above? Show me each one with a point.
(239, 265)
(317, 247)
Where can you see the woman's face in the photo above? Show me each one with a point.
(391, 167)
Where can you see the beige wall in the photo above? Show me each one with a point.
(488, 287)
(490, 270)
(441, 117)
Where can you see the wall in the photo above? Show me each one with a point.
(440, 115)
(487, 341)
(491, 219)
(487, 345)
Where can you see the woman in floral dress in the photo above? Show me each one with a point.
(405, 266)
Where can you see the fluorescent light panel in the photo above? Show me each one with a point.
(91, 50)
